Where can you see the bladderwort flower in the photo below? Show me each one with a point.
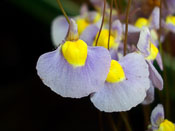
(169, 23)
(152, 22)
(74, 69)
(150, 52)
(59, 26)
(125, 86)
(158, 121)
(90, 35)
(99, 4)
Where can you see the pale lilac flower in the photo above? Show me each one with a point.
(90, 33)
(152, 22)
(158, 121)
(59, 26)
(150, 51)
(68, 79)
(127, 93)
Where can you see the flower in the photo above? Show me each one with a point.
(125, 86)
(74, 69)
(90, 35)
(59, 26)
(169, 23)
(152, 22)
(150, 53)
(158, 122)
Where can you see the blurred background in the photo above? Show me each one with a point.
(26, 104)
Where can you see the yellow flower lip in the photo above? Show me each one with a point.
(116, 73)
(153, 52)
(170, 20)
(103, 39)
(75, 52)
(140, 22)
(84, 22)
(166, 125)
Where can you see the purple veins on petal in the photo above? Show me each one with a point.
(122, 96)
(157, 116)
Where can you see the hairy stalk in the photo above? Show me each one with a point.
(62, 9)
(104, 9)
(167, 100)
(110, 23)
(125, 119)
(126, 28)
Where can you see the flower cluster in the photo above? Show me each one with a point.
(89, 60)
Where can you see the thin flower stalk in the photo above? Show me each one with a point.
(104, 9)
(126, 29)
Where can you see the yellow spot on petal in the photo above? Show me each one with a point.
(116, 73)
(153, 52)
(103, 39)
(82, 24)
(140, 22)
(75, 52)
(170, 20)
(166, 125)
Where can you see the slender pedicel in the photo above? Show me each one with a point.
(62, 9)
(125, 119)
(104, 8)
(167, 103)
(126, 28)
(118, 4)
(110, 22)
(111, 122)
